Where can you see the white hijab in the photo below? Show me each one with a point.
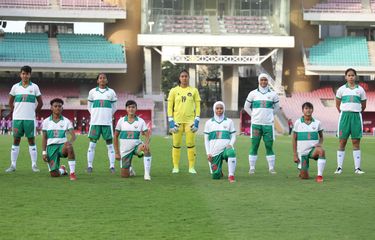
(216, 117)
(263, 89)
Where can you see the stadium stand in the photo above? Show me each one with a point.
(25, 47)
(183, 24)
(87, 4)
(336, 51)
(342, 6)
(25, 3)
(89, 48)
(245, 24)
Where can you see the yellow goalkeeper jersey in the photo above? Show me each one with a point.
(184, 104)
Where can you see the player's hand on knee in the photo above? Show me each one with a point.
(209, 157)
(194, 127)
(117, 156)
(44, 155)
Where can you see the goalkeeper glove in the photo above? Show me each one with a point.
(173, 127)
(194, 127)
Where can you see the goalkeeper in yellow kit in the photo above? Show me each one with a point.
(183, 117)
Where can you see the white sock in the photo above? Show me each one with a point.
(271, 162)
(91, 154)
(357, 158)
(72, 166)
(210, 166)
(111, 155)
(231, 166)
(33, 155)
(252, 161)
(147, 164)
(15, 150)
(340, 158)
(321, 165)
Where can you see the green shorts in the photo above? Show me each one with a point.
(217, 162)
(54, 153)
(257, 131)
(350, 124)
(104, 130)
(304, 162)
(24, 127)
(126, 161)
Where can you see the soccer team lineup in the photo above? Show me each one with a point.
(131, 136)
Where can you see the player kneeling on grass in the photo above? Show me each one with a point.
(307, 143)
(55, 143)
(129, 129)
(219, 137)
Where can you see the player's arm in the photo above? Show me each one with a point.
(170, 103)
(247, 107)
(363, 103)
(72, 134)
(321, 138)
(338, 103)
(40, 103)
(89, 102)
(276, 104)
(114, 103)
(207, 146)
(294, 144)
(116, 145)
(147, 135)
(44, 145)
(11, 103)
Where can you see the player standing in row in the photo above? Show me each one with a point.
(129, 130)
(219, 139)
(261, 104)
(307, 141)
(55, 143)
(350, 102)
(22, 102)
(183, 117)
(101, 105)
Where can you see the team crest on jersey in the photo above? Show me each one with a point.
(357, 92)
(189, 94)
(313, 128)
(225, 126)
(135, 126)
(269, 98)
(61, 126)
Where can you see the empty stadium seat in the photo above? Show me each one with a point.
(340, 51)
(89, 48)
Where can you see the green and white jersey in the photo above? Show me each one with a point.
(219, 135)
(262, 106)
(307, 134)
(101, 105)
(130, 134)
(24, 100)
(56, 131)
(351, 99)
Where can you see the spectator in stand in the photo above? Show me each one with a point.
(83, 125)
(290, 125)
(75, 123)
(3, 124)
(9, 126)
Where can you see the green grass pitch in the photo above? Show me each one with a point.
(182, 206)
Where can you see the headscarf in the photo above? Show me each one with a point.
(263, 89)
(216, 117)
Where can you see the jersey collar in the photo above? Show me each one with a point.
(265, 92)
(51, 118)
(303, 119)
(213, 119)
(126, 119)
(30, 83)
(355, 86)
(100, 90)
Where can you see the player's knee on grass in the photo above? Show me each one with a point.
(55, 173)
(125, 173)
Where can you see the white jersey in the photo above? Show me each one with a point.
(307, 135)
(351, 99)
(219, 135)
(56, 131)
(262, 106)
(24, 101)
(130, 134)
(102, 105)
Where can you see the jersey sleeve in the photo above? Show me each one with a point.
(114, 96)
(13, 91)
(170, 102)
(45, 125)
(144, 127)
(232, 129)
(197, 100)
(250, 98)
(363, 95)
(37, 91)
(118, 125)
(295, 126)
(339, 93)
(320, 127)
(90, 98)
(207, 127)
(70, 125)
